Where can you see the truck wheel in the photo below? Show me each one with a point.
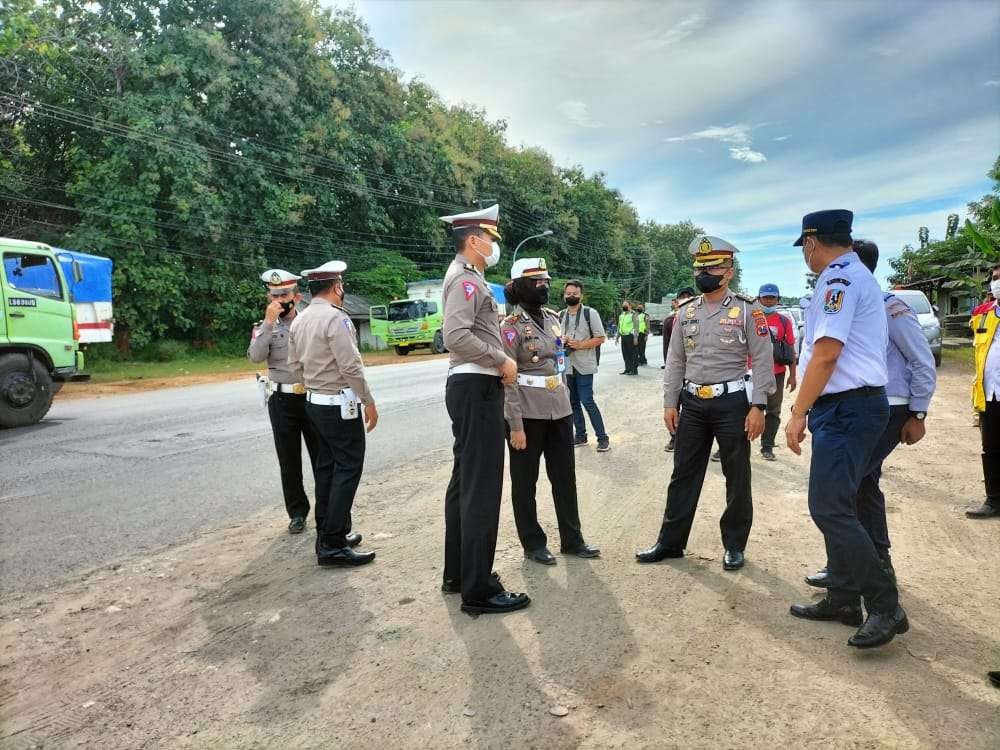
(402, 351)
(438, 346)
(24, 399)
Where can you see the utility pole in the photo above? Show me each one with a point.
(649, 284)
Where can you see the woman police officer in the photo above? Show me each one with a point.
(539, 416)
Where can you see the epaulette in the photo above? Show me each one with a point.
(511, 318)
(550, 310)
(895, 306)
(338, 307)
(743, 297)
(258, 323)
(688, 301)
(470, 267)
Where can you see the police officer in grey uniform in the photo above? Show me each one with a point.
(842, 400)
(478, 368)
(912, 380)
(286, 396)
(339, 404)
(706, 367)
(539, 414)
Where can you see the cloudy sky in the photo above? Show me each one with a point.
(738, 116)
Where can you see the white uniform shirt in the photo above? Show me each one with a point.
(847, 306)
(991, 375)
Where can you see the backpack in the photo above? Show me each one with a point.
(784, 353)
(586, 316)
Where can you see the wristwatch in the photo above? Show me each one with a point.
(792, 410)
(920, 416)
(762, 407)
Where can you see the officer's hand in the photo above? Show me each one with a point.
(508, 371)
(913, 431)
(795, 433)
(271, 312)
(754, 424)
(518, 440)
(670, 416)
(371, 417)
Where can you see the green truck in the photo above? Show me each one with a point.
(39, 335)
(408, 324)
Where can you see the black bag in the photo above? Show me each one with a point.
(784, 353)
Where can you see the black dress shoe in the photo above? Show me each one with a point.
(297, 525)
(986, 510)
(541, 555)
(818, 579)
(343, 556)
(880, 628)
(656, 553)
(767, 454)
(826, 610)
(994, 677)
(584, 550)
(454, 585)
(506, 601)
(733, 560)
(353, 539)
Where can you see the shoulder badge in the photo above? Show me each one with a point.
(895, 307)
(838, 280)
(688, 301)
(745, 298)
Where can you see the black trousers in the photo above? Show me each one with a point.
(772, 418)
(339, 463)
(702, 421)
(472, 501)
(630, 353)
(290, 427)
(641, 350)
(989, 428)
(552, 438)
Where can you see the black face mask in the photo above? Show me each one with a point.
(624, 308)
(286, 307)
(536, 296)
(572, 301)
(707, 282)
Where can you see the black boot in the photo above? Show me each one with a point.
(848, 613)
(880, 628)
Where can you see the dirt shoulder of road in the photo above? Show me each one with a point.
(71, 391)
(237, 639)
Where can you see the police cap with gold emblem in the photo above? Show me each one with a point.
(279, 282)
(530, 268)
(711, 251)
(486, 219)
(834, 221)
(331, 270)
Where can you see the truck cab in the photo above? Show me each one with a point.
(409, 324)
(39, 338)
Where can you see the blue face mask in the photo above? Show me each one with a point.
(769, 308)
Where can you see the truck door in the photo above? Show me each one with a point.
(379, 317)
(35, 301)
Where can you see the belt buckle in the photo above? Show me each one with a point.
(552, 382)
(705, 391)
(298, 389)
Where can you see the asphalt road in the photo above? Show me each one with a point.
(104, 478)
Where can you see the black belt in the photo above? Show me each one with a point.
(865, 390)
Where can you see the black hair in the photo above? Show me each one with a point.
(839, 239)
(321, 287)
(868, 253)
(461, 235)
(686, 292)
(574, 282)
(996, 267)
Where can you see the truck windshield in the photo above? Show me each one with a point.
(406, 310)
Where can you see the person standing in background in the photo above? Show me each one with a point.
(584, 334)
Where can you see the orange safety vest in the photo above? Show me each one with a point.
(984, 329)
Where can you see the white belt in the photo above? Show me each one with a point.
(471, 369)
(296, 388)
(551, 382)
(324, 399)
(716, 390)
(899, 401)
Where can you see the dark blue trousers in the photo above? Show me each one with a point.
(845, 432)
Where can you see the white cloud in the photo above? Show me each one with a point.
(992, 83)
(576, 112)
(743, 153)
(782, 138)
(738, 134)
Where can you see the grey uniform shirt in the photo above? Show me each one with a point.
(322, 342)
(583, 361)
(471, 326)
(524, 339)
(270, 343)
(707, 348)
(909, 361)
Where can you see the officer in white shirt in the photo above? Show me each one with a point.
(843, 375)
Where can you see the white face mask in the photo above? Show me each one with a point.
(494, 257)
(995, 288)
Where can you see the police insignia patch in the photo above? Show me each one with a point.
(348, 326)
(469, 288)
(705, 246)
(833, 301)
(734, 312)
(511, 335)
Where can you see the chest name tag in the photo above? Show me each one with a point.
(22, 302)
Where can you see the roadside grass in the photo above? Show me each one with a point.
(963, 356)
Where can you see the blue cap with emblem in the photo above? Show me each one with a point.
(834, 221)
(769, 290)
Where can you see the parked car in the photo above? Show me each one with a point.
(927, 316)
